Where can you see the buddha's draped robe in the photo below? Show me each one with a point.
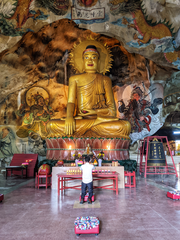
(95, 92)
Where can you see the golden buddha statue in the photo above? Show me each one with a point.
(91, 110)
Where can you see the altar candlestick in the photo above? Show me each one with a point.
(69, 157)
(108, 147)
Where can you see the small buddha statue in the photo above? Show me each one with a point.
(90, 96)
(88, 151)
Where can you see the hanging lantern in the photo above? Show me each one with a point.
(156, 156)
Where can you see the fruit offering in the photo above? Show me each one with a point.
(60, 163)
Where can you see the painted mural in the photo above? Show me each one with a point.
(161, 34)
(55, 6)
(35, 113)
(171, 103)
(89, 11)
(36, 144)
(36, 39)
(141, 107)
(14, 14)
(7, 143)
(87, 3)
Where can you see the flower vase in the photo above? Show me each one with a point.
(100, 162)
(76, 161)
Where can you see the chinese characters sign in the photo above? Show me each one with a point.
(78, 14)
(156, 156)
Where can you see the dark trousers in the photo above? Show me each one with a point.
(90, 189)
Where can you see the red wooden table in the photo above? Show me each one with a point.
(63, 177)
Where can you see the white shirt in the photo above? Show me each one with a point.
(87, 172)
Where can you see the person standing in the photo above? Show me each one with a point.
(87, 180)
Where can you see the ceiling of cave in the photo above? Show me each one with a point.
(37, 36)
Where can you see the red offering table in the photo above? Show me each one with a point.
(63, 177)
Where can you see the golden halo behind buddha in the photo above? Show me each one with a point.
(76, 56)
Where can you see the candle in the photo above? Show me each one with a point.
(69, 155)
(108, 147)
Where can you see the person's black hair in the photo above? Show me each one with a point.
(87, 159)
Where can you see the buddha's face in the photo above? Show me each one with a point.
(90, 61)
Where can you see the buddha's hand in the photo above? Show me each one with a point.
(69, 126)
(85, 112)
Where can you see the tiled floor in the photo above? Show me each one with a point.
(139, 213)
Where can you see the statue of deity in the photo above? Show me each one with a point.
(91, 110)
(88, 151)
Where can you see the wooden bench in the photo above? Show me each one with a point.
(17, 168)
(16, 164)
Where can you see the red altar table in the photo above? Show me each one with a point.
(63, 177)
